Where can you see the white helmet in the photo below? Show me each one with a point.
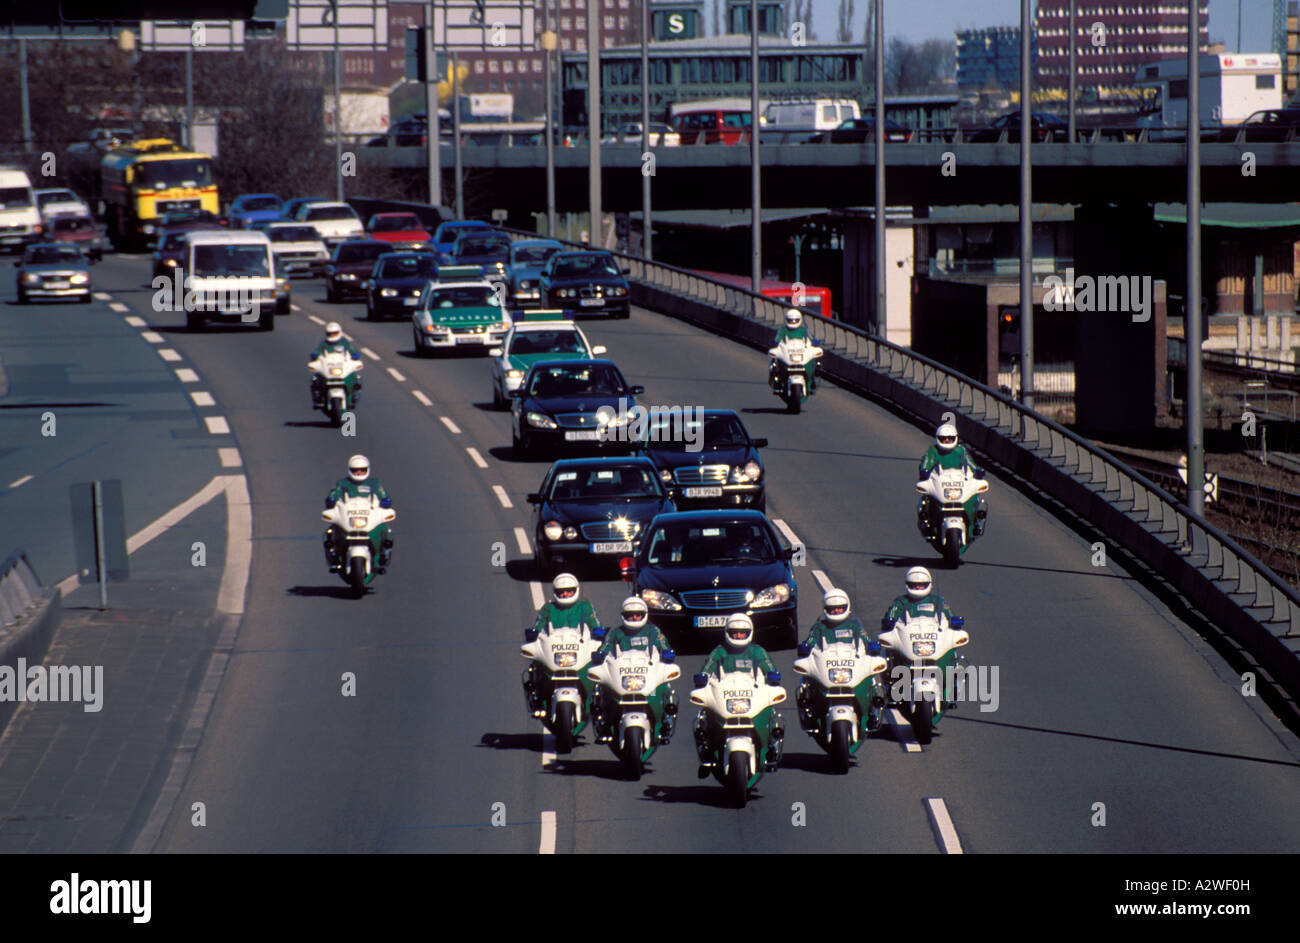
(918, 582)
(835, 606)
(358, 468)
(740, 631)
(793, 317)
(946, 437)
(564, 589)
(635, 613)
(333, 331)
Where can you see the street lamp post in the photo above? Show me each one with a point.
(755, 173)
(1192, 308)
(594, 233)
(646, 249)
(1026, 217)
(548, 52)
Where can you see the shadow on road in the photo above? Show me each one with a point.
(532, 742)
(333, 592)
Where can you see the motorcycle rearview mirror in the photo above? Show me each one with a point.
(788, 553)
(805, 649)
(957, 622)
(597, 658)
(530, 634)
(979, 473)
(700, 679)
(668, 656)
(598, 632)
(873, 647)
(774, 677)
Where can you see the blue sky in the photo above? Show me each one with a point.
(938, 19)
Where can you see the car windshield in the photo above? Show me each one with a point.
(547, 342)
(576, 379)
(72, 224)
(710, 544)
(231, 260)
(47, 255)
(483, 245)
(533, 254)
(11, 197)
(166, 174)
(361, 252)
(604, 484)
(395, 224)
(468, 296)
(586, 265)
(413, 267)
(449, 233)
(56, 196)
(331, 212)
(261, 203)
(676, 433)
(293, 234)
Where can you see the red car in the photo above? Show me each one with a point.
(80, 230)
(403, 230)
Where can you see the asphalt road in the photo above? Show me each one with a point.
(1104, 696)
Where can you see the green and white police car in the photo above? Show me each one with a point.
(459, 310)
(535, 335)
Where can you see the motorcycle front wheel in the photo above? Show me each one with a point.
(793, 402)
(922, 721)
(632, 751)
(841, 744)
(564, 727)
(336, 411)
(357, 577)
(738, 780)
(952, 547)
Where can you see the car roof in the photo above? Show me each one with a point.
(711, 514)
(228, 237)
(532, 243)
(391, 214)
(601, 460)
(256, 196)
(284, 224)
(571, 253)
(332, 204)
(524, 327)
(483, 283)
(588, 362)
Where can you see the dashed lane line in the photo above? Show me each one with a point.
(422, 398)
(26, 478)
(312, 317)
(396, 374)
(186, 375)
(202, 398)
(823, 581)
(521, 538)
(455, 429)
(539, 597)
(785, 530)
(118, 306)
(230, 458)
(502, 496)
(944, 830)
(136, 321)
(166, 353)
(217, 425)
(369, 353)
(547, 846)
(478, 459)
(152, 337)
(903, 731)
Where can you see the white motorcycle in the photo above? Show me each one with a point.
(787, 377)
(840, 699)
(562, 687)
(635, 680)
(738, 702)
(923, 668)
(953, 493)
(338, 382)
(364, 523)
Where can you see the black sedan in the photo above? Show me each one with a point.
(707, 459)
(585, 283)
(1273, 125)
(489, 250)
(571, 403)
(351, 265)
(593, 510)
(859, 130)
(395, 283)
(696, 568)
(1046, 127)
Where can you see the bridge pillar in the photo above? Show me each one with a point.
(1119, 355)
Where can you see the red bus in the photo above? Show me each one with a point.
(816, 300)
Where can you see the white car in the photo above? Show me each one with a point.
(336, 222)
(536, 335)
(660, 135)
(58, 201)
(297, 247)
(458, 313)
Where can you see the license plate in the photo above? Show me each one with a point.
(410, 302)
(591, 302)
(711, 622)
(10, 240)
(620, 546)
(57, 285)
(585, 436)
(701, 492)
(470, 338)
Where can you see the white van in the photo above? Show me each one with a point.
(230, 276)
(1233, 86)
(817, 114)
(20, 219)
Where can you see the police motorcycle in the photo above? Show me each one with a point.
(637, 681)
(924, 667)
(364, 522)
(563, 687)
(840, 698)
(337, 391)
(786, 375)
(953, 500)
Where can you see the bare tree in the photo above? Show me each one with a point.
(844, 28)
(917, 67)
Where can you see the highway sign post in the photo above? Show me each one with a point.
(99, 533)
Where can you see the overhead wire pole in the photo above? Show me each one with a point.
(1073, 47)
(338, 106)
(1192, 309)
(433, 126)
(881, 319)
(189, 96)
(455, 132)
(548, 50)
(26, 106)
(645, 130)
(1026, 217)
(595, 228)
(755, 173)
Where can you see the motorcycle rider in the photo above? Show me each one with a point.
(737, 654)
(636, 632)
(358, 483)
(947, 453)
(919, 600)
(793, 328)
(835, 625)
(334, 343)
(565, 610)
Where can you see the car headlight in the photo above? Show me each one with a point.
(666, 476)
(772, 596)
(387, 293)
(553, 530)
(923, 649)
(525, 285)
(618, 419)
(346, 277)
(570, 533)
(616, 291)
(171, 262)
(514, 374)
(541, 421)
(32, 279)
(568, 293)
(148, 228)
(737, 705)
(750, 471)
(657, 600)
(79, 279)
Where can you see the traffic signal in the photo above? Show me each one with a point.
(417, 67)
(1009, 331)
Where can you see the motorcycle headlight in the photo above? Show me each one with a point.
(772, 596)
(952, 492)
(566, 659)
(358, 522)
(657, 600)
(336, 371)
(170, 263)
(922, 649)
(541, 421)
(553, 530)
(738, 705)
(633, 682)
(841, 676)
(387, 293)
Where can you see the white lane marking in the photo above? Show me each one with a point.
(521, 538)
(369, 353)
(239, 546)
(118, 306)
(202, 398)
(152, 337)
(166, 353)
(784, 528)
(294, 307)
(217, 425)
(186, 375)
(823, 581)
(502, 496)
(478, 459)
(944, 830)
(136, 321)
(230, 458)
(312, 317)
(539, 597)
(101, 295)
(26, 478)
(396, 375)
(548, 834)
(548, 749)
(902, 730)
(455, 429)
(422, 398)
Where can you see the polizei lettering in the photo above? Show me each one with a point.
(76, 896)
